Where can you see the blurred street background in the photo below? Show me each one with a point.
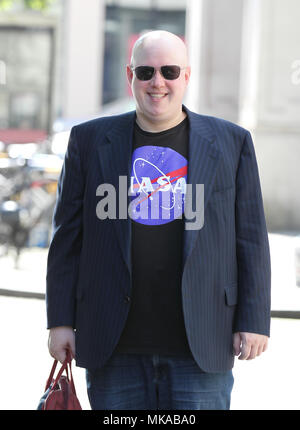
(63, 62)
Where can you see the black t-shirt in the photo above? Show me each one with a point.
(155, 322)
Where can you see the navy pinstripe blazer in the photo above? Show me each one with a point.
(226, 275)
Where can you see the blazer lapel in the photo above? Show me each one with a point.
(204, 157)
(115, 160)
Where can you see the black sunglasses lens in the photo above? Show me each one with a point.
(144, 73)
(170, 72)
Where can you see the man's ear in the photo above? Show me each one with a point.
(187, 74)
(129, 74)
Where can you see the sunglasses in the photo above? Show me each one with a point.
(145, 73)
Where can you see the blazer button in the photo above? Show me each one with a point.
(127, 299)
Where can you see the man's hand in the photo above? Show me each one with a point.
(60, 340)
(249, 345)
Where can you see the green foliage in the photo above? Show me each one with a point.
(28, 4)
(6, 4)
(38, 4)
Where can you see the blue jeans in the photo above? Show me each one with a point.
(156, 382)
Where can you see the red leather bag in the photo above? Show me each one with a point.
(60, 393)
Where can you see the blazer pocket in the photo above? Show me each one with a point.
(222, 195)
(231, 294)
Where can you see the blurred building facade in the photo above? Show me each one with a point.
(27, 87)
(98, 42)
(246, 68)
(70, 65)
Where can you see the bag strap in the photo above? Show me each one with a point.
(69, 363)
(71, 378)
(51, 375)
(66, 363)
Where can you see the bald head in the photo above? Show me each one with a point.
(159, 99)
(159, 41)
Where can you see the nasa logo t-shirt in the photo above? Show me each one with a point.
(158, 179)
(159, 169)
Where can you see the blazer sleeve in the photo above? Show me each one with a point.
(252, 247)
(65, 246)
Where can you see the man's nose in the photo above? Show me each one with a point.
(157, 80)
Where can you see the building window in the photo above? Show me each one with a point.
(123, 25)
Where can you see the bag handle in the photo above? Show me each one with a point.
(67, 362)
(51, 375)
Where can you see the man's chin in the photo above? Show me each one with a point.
(159, 112)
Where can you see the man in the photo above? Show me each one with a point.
(156, 307)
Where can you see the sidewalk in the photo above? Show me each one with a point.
(285, 293)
